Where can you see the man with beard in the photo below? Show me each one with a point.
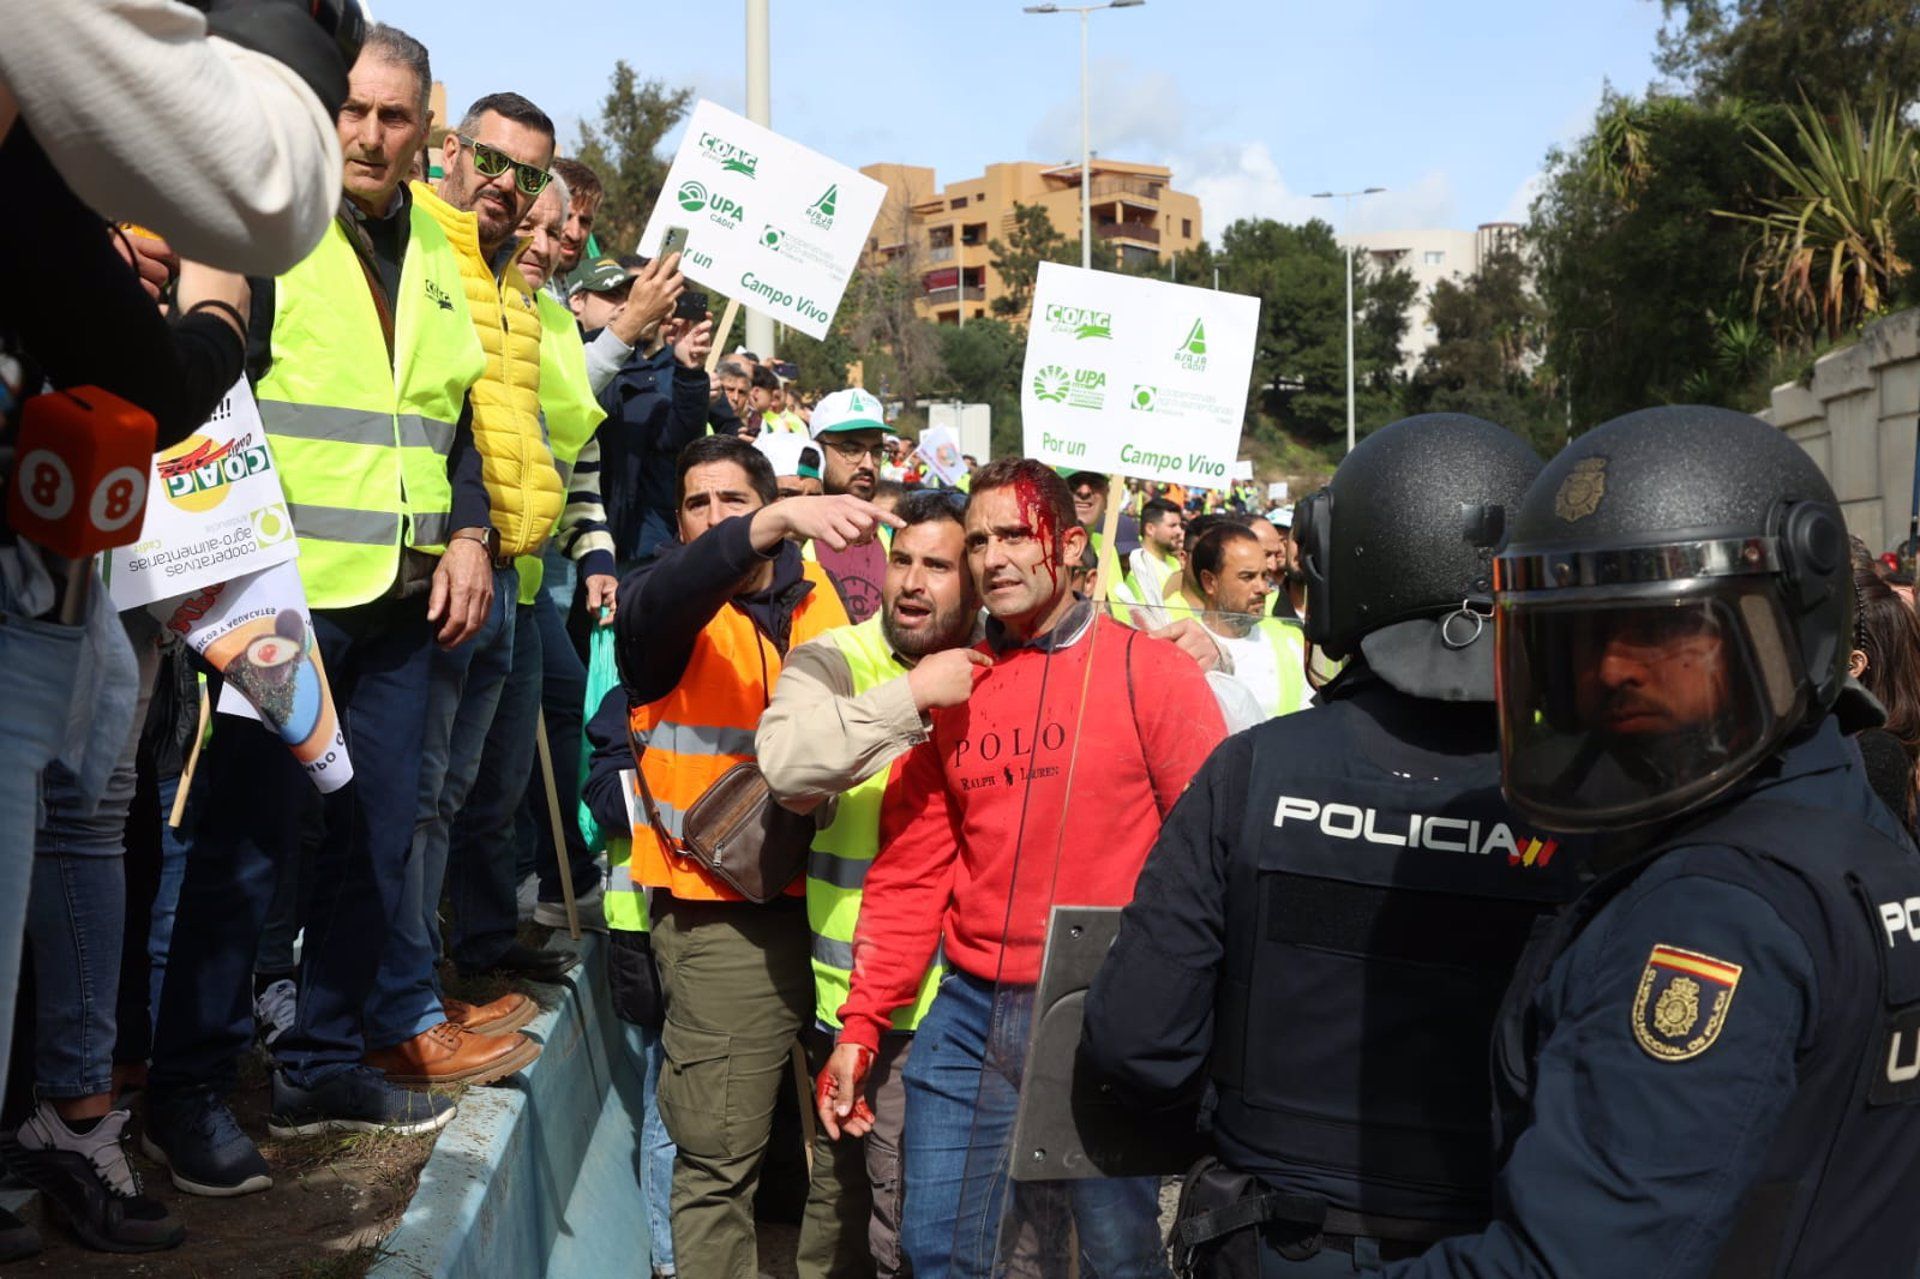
(1265, 655)
(584, 196)
(852, 434)
(847, 706)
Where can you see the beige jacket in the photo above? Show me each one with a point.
(817, 739)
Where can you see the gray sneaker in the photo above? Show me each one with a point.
(274, 1009)
(589, 905)
(88, 1182)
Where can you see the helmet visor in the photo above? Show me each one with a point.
(1614, 713)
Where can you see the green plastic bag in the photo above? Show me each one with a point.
(603, 674)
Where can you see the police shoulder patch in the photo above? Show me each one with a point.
(1682, 1002)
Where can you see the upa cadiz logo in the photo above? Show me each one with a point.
(1192, 354)
(1583, 490)
(1079, 322)
(820, 212)
(730, 157)
(1050, 384)
(720, 208)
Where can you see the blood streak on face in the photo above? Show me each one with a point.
(1037, 514)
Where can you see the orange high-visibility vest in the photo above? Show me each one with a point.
(705, 726)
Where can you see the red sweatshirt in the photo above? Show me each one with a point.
(979, 815)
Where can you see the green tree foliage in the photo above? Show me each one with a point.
(1775, 50)
(623, 150)
(1034, 240)
(1632, 269)
(1489, 333)
(1299, 364)
(983, 360)
(1828, 250)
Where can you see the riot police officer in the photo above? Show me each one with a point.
(1325, 928)
(1711, 1065)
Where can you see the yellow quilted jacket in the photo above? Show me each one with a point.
(522, 484)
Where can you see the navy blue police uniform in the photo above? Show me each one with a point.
(1711, 1066)
(1320, 942)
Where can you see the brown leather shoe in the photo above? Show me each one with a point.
(447, 1054)
(501, 1016)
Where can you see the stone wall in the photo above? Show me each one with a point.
(1858, 420)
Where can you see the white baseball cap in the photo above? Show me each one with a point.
(850, 410)
(790, 454)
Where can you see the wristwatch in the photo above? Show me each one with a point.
(487, 537)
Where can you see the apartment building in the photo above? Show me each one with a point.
(1430, 256)
(943, 233)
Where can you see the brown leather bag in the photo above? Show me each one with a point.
(738, 833)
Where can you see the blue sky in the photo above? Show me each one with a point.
(1450, 104)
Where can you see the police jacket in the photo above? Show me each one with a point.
(1329, 921)
(1716, 1070)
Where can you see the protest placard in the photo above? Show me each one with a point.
(941, 449)
(1139, 377)
(215, 511)
(769, 223)
(256, 631)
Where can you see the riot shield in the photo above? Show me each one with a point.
(1057, 1178)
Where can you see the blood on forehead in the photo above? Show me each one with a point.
(1037, 514)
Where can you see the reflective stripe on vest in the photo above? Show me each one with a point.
(1289, 642)
(572, 414)
(624, 906)
(705, 726)
(361, 440)
(842, 852)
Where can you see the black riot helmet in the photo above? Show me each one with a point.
(1397, 551)
(1674, 601)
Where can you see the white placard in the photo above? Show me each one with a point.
(941, 449)
(257, 632)
(1243, 470)
(769, 222)
(1136, 376)
(215, 511)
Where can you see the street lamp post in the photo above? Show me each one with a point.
(760, 111)
(1347, 217)
(1086, 143)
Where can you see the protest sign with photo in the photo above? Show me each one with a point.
(770, 223)
(1136, 377)
(256, 631)
(215, 511)
(940, 447)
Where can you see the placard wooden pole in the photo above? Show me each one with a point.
(559, 831)
(1108, 566)
(193, 762)
(720, 332)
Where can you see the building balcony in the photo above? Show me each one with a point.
(950, 295)
(1137, 231)
(940, 253)
(1134, 188)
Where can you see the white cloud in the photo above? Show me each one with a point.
(1520, 204)
(1243, 180)
(1137, 114)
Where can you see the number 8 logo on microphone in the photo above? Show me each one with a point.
(118, 499)
(46, 484)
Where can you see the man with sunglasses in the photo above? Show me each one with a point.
(495, 165)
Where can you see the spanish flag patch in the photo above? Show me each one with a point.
(1682, 1002)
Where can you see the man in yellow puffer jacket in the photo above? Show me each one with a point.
(496, 164)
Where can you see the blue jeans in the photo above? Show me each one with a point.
(37, 664)
(481, 880)
(76, 918)
(174, 844)
(462, 691)
(247, 821)
(563, 698)
(963, 1088)
(655, 1152)
(560, 578)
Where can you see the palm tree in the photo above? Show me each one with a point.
(1827, 249)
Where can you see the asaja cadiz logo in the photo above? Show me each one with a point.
(820, 212)
(1192, 354)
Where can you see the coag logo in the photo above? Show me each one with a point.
(730, 157)
(1192, 354)
(195, 472)
(1050, 384)
(820, 212)
(1079, 322)
(439, 296)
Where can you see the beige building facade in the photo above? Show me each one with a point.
(1430, 255)
(942, 233)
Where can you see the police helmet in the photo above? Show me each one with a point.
(1397, 551)
(1674, 601)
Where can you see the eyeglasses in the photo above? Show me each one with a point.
(848, 451)
(491, 163)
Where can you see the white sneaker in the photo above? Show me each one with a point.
(590, 906)
(273, 1010)
(527, 897)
